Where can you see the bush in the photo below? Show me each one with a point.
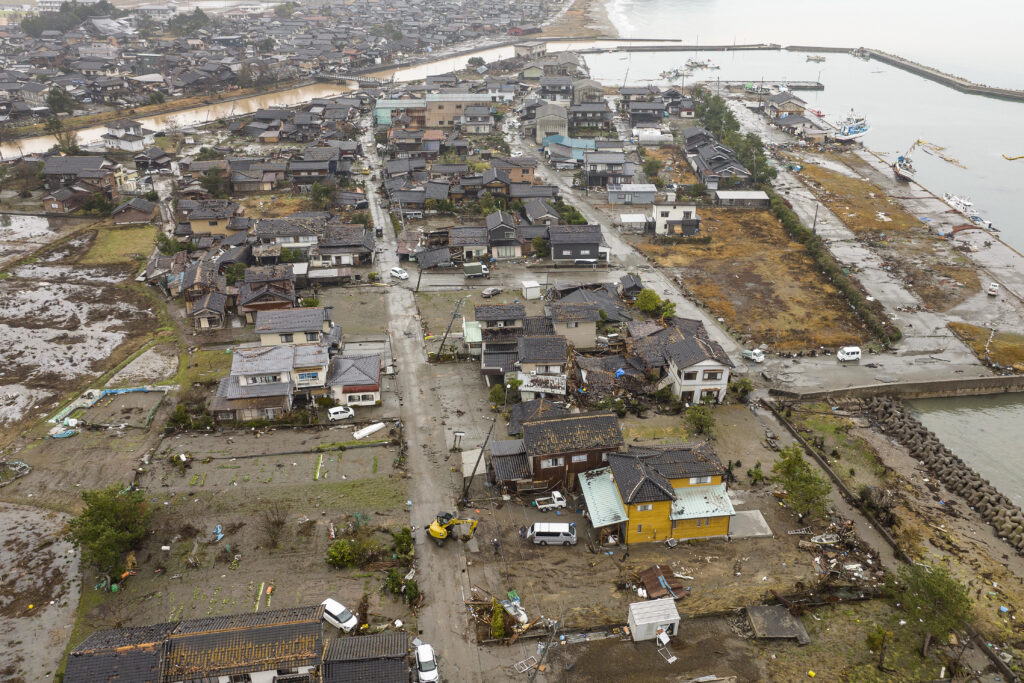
(653, 305)
(393, 582)
(497, 620)
(742, 388)
(358, 552)
(807, 490)
(325, 402)
(497, 395)
(402, 545)
(756, 475)
(412, 591)
(112, 523)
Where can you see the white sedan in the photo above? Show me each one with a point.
(399, 273)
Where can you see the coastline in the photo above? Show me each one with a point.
(582, 19)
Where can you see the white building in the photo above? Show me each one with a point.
(676, 219)
(128, 136)
(648, 619)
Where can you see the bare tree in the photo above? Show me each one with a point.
(272, 522)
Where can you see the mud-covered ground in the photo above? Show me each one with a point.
(39, 589)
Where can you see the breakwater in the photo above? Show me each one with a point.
(893, 420)
(948, 80)
(939, 388)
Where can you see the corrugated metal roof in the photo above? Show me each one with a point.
(654, 611)
(701, 501)
(602, 498)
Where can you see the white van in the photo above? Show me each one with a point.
(848, 353)
(552, 533)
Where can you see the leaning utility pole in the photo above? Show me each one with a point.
(455, 314)
(543, 655)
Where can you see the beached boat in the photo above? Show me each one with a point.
(903, 167)
(852, 128)
(815, 58)
(966, 207)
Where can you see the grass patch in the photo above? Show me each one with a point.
(1006, 348)
(851, 451)
(120, 245)
(376, 494)
(858, 203)
(203, 366)
(275, 206)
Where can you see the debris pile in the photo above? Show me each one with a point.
(839, 554)
(995, 508)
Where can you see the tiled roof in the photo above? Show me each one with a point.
(582, 432)
(507, 447)
(493, 312)
(574, 312)
(354, 371)
(638, 482)
(366, 670)
(508, 467)
(291, 320)
(532, 410)
(681, 462)
(387, 644)
(538, 326)
(552, 349)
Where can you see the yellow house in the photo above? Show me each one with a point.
(675, 492)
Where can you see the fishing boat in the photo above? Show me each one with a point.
(695, 64)
(852, 128)
(815, 58)
(903, 167)
(966, 207)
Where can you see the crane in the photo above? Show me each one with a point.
(444, 526)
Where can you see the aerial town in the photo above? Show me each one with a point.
(392, 341)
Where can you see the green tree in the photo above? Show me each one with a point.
(934, 600)
(285, 10)
(215, 182)
(476, 61)
(807, 490)
(291, 255)
(168, 246)
(67, 140)
(188, 24)
(208, 154)
(266, 45)
(321, 196)
(742, 388)
(96, 203)
(652, 167)
(540, 246)
(235, 273)
(497, 395)
(653, 305)
(157, 97)
(58, 100)
(112, 523)
(701, 420)
(151, 196)
(497, 620)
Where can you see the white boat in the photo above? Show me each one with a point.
(966, 207)
(903, 167)
(815, 58)
(852, 128)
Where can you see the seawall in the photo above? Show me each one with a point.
(940, 388)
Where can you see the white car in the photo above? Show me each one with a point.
(340, 413)
(426, 664)
(848, 353)
(337, 615)
(399, 273)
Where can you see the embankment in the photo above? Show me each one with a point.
(940, 388)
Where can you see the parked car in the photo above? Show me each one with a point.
(552, 533)
(399, 273)
(490, 291)
(993, 289)
(340, 413)
(426, 664)
(553, 502)
(337, 615)
(848, 353)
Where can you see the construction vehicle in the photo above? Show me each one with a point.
(444, 526)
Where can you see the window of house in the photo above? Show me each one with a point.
(287, 338)
(695, 481)
(214, 223)
(309, 376)
(698, 521)
(366, 397)
(604, 457)
(579, 458)
(264, 379)
(674, 522)
(712, 375)
(584, 252)
(566, 252)
(548, 463)
(639, 528)
(572, 324)
(312, 336)
(646, 507)
(707, 521)
(664, 214)
(690, 376)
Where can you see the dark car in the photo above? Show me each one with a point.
(490, 291)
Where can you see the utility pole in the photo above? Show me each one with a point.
(814, 228)
(476, 465)
(455, 314)
(547, 647)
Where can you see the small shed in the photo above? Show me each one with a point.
(647, 618)
(752, 199)
(531, 289)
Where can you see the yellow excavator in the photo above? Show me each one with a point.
(444, 526)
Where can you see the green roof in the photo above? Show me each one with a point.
(693, 502)
(471, 332)
(602, 498)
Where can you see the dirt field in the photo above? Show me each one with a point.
(1004, 348)
(274, 206)
(39, 591)
(361, 311)
(676, 169)
(941, 276)
(783, 301)
(231, 483)
(133, 410)
(153, 365)
(20, 235)
(63, 324)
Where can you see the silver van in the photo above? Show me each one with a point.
(552, 533)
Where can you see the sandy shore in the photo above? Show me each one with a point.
(583, 19)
